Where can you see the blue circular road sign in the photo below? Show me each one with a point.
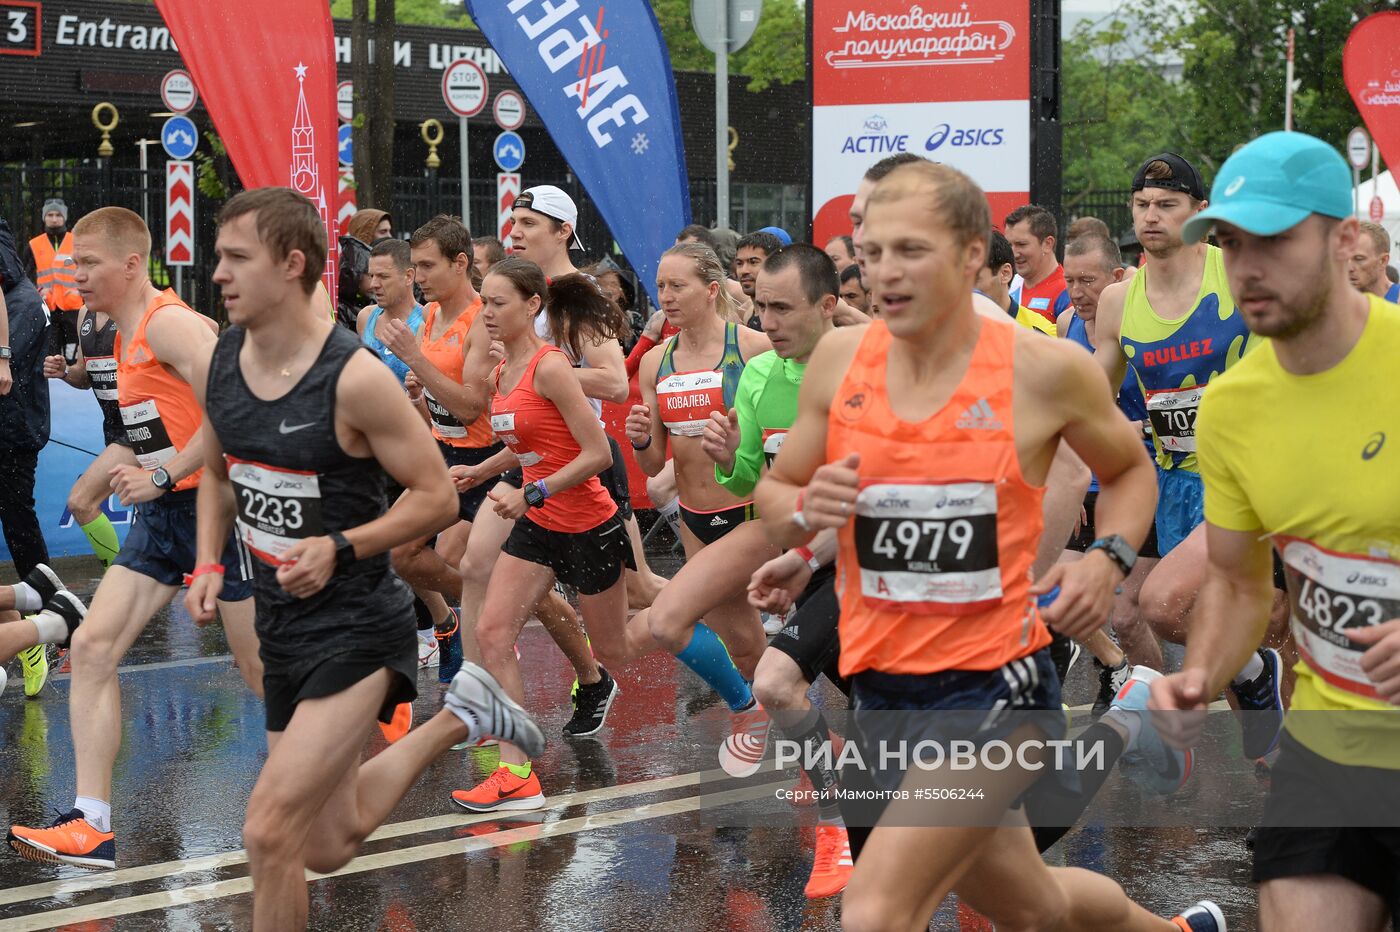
(179, 137)
(509, 151)
(343, 139)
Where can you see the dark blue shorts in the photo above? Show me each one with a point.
(161, 545)
(470, 501)
(973, 705)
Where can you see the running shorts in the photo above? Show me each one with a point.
(114, 431)
(810, 636)
(591, 561)
(161, 545)
(1180, 507)
(285, 688)
(1087, 534)
(710, 526)
(1305, 783)
(470, 501)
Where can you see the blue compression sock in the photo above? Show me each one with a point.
(707, 656)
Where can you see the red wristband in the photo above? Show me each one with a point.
(805, 553)
(204, 568)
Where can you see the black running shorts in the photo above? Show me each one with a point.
(810, 636)
(470, 501)
(1305, 784)
(591, 561)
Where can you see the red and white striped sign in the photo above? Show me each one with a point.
(507, 188)
(345, 199)
(179, 213)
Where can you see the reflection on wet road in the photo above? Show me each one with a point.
(641, 829)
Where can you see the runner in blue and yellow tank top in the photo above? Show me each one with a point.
(1173, 328)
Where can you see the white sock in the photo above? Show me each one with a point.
(467, 717)
(1131, 722)
(1251, 670)
(671, 511)
(52, 629)
(98, 813)
(26, 599)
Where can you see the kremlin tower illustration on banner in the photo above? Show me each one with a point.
(306, 176)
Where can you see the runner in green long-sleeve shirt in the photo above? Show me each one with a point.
(764, 407)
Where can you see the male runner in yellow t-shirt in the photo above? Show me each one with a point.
(1294, 452)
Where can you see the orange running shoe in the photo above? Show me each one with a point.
(71, 839)
(403, 721)
(832, 865)
(502, 790)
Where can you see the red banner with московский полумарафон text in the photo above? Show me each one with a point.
(949, 81)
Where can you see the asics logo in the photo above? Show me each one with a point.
(1234, 186)
(284, 429)
(1373, 446)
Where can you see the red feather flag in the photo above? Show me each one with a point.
(266, 73)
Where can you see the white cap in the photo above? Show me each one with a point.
(552, 202)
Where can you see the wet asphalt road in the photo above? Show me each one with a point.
(641, 830)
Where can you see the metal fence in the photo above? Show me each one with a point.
(88, 184)
(1112, 207)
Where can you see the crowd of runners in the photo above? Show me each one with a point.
(925, 461)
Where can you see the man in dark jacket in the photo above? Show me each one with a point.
(24, 405)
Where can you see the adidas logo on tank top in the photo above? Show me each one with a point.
(979, 417)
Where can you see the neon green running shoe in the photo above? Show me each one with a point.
(36, 669)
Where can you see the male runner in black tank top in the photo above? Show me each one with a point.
(96, 368)
(336, 624)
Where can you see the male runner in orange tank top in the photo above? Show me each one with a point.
(160, 343)
(925, 440)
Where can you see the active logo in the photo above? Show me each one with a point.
(979, 417)
(1373, 446)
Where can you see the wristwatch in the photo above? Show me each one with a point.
(535, 493)
(344, 551)
(162, 479)
(1117, 550)
(6, 353)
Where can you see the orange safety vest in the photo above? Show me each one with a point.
(56, 271)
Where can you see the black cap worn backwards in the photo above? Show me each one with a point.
(1184, 176)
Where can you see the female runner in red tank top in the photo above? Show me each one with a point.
(566, 524)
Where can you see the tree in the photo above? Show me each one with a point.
(374, 101)
(415, 12)
(1233, 57)
(1117, 110)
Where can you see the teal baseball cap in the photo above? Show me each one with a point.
(1273, 183)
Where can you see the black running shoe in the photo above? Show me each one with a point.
(1111, 679)
(1261, 702)
(70, 608)
(43, 581)
(591, 705)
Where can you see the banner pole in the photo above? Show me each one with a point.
(466, 176)
(1356, 190)
(722, 117)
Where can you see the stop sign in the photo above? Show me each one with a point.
(1377, 209)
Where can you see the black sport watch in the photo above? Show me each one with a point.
(1117, 550)
(162, 479)
(344, 551)
(535, 494)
